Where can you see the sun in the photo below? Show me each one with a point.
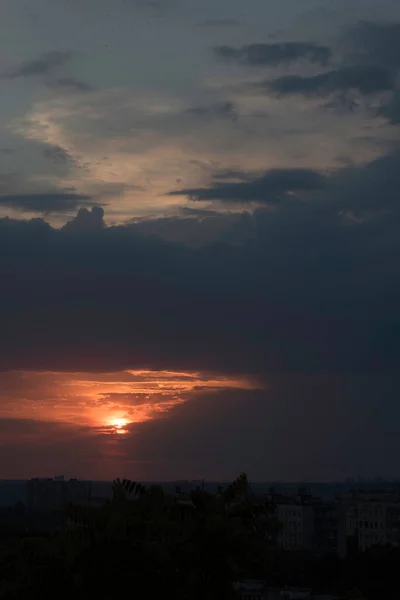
(118, 424)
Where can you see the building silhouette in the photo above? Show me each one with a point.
(56, 493)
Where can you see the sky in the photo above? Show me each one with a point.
(199, 239)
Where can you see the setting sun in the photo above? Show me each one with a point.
(119, 423)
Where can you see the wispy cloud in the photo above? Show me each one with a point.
(45, 203)
(366, 79)
(46, 64)
(275, 54)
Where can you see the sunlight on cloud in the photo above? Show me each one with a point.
(128, 150)
(104, 403)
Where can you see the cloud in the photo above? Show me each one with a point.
(366, 79)
(47, 66)
(57, 154)
(391, 110)
(371, 186)
(46, 203)
(338, 415)
(87, 220)
(377, 42)
(301, 300)
(218, 110)
(275, 54)
(227, 22)
(70, 84)
(307, 287)
(44, 65)
(156, 8)
(233, 174)
(196, 227)
(268, 188)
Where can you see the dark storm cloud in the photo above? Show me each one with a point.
(308, 287)
(373, 186)
(366, 79)
(87, 220)
(270, 187)
(275, 54)
(44, 65)
(338, 415)
(45, 203)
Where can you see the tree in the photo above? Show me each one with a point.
(190, 549)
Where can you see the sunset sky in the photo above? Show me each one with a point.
(200, 238)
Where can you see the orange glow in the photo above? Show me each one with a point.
(106, 403)
(119, 424)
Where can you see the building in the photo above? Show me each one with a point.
(50, 494)
(330, 528)
(251, 589)
(373, 518)
(297, 526)
(308, 523)
(378, 523)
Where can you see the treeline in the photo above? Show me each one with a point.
(146, 543)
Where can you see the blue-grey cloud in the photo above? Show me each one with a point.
(275, 54)
(269, 188)
(232, 175)
(220, 110)
(377, 42)
(355, 188)
(309, 287)
(57, 154)
(44, 65)
(86, 220)
(391, 110)
(366, 79)
(70, 84)
(45, 203)
(227, 22)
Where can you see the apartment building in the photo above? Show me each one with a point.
(308, 523)
(373, 518)
(298, 526)
(56, 493)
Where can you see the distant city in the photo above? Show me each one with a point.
(321, 517)
(15, 490)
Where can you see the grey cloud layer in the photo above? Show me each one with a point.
(363, 188)
(45, 203)
(275, 54)
(269, 188)
(43, 65)
(48, 67)
(377, 41)
(366, 79)
(303, 288)
(367, 63)
(70, 84)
